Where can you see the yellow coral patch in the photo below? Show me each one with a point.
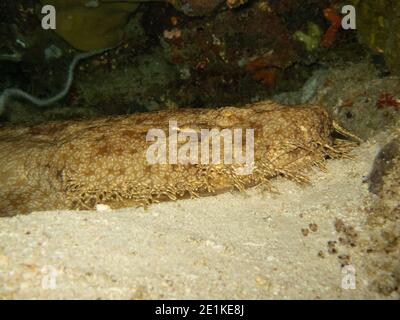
(91, 25)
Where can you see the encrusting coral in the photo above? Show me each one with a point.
(92, 25)
(311, 39)
(79, 164)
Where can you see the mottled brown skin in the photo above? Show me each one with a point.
(78, 164)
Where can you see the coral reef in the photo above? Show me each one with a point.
(355, 94)
(378, 26)
(196, 7)
(217, 54)
(81, 164)
(145, 87)
(236, 49)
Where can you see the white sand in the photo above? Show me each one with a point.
(229, 246)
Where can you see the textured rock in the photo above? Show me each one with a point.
(383, 220)
(196, 7)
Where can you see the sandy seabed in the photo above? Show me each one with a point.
(253, 245)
